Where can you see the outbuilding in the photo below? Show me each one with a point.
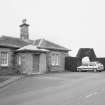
(22, 55)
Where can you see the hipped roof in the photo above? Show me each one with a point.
(6, 41)
(42, 43)
(31, 48)
(86, 52)
(13, 42)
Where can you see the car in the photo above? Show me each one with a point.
(91, 66)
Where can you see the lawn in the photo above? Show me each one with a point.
(2, 79)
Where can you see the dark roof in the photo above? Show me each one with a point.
(13, 42)
(24, 25)
(40, 43)
(86, 52)
(45, 44)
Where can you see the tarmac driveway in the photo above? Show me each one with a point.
(69, 88)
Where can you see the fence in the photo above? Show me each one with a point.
(71, 63)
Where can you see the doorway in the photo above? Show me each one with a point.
(36, 63)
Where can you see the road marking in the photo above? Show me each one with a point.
(91, 94)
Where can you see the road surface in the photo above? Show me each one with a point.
(80, 88)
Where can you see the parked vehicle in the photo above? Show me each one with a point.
(91, 66)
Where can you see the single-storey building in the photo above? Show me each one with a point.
(22, 55)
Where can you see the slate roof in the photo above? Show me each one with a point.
(32, 48)
(7, 41)
(13, 42)
(45, 44)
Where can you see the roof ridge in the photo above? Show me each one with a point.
(56, 44)
(9, 37)
(41, 41)
(17, 38)
(50, 42)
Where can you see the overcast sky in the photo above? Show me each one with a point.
(71, 23)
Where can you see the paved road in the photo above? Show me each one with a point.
(56, 89)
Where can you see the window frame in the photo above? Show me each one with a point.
(55, 59)
(4, 59)
(18, 60)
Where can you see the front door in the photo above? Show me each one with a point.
(36, 63)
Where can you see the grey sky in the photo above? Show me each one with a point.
(70, 23)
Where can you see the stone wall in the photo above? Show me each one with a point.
(43, 63)
(10, 69)
(61, 66)
(26, 63)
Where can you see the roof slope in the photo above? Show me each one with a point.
(32, 48)
(13, 42)
(83, 52)
(40, 43)
(45, 44)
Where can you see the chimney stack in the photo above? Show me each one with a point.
(24, 34)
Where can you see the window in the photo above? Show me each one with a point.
(55, 59)
(4, 59)
(18, 59)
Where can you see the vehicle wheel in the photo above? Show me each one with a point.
(79, 70)
(95, 70)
